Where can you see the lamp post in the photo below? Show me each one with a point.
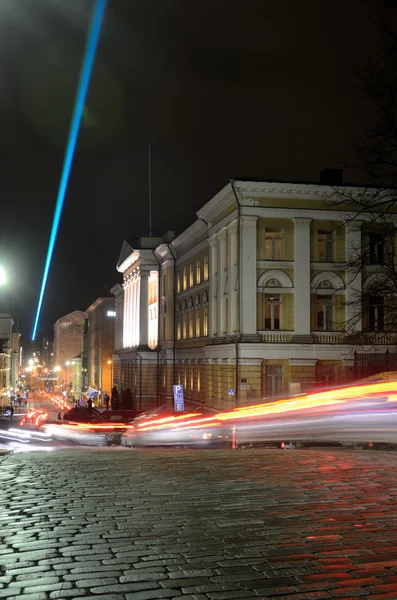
(110, 363)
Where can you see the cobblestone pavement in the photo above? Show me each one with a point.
(198, 525)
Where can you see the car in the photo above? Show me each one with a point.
(81, 414)
(165, 427)
(113, 423)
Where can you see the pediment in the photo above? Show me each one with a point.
(126, 251)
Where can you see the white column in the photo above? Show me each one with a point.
(353, 276)
(135, 313)
(247, 283)
(213, 280)
(232, 279)
(144, 308)
(222, 246)
(125, 319)
(302, 276)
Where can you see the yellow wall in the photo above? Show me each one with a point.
(287, 230)
(339, 238)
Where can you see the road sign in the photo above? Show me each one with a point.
(231, 392)
(179, 403)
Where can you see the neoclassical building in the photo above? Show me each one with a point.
(252, 301)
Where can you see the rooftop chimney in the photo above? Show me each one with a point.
(331, 177)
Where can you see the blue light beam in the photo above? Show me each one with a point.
(85, 76)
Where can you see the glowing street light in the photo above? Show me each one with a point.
(3, 276)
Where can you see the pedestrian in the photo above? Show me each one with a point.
(26, 404)
(106, 400)
(11, 409)
(59, 417)
(89, 403)
(19, 400)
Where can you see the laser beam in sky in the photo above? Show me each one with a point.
(85, 75)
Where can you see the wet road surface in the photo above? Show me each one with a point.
(198, 525)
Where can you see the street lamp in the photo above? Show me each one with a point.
(110, 363)
(3, 276)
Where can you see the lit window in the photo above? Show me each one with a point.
(191, 277)
(324, 313)
(325, 246)
(178, 284)
(376, 254)
(185, 278)
(197, 308)
(273, 244)
(206, 274)
(198, 272)
(376, 313)
(274, 380)
(272, 312)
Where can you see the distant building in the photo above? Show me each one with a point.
(47, 352)
(98, 348)
(8, 358)
(68, 343)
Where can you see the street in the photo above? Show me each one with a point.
(203, 525)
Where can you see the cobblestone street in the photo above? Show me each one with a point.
(198, 525)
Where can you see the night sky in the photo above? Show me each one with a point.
(222, 88)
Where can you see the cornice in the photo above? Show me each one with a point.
(189, 238)
(223, 199)
(304, 190)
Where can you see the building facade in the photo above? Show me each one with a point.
(68, 343)
(99, 345)
(254, 300)
(8, 356)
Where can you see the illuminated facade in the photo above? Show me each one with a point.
(99, 344)
(254, 299)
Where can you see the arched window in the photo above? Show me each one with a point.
(184, 306)
(190, 303)
(197, 301)
(205, 297)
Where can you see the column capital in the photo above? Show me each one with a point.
(222, 234)
(213, 241)
(249, 219)
(302, 222)
(353, 225)
(144, 274)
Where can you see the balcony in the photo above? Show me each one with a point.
(276, 337)
(332, 337)
(328, 337)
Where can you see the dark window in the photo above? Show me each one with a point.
(376, 313)
(324, 313)
(325, 246)
(376, 254)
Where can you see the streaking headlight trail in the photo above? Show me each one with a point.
(85, 75)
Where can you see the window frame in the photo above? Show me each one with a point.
(273, 301)
(321, 301)
(329, 246)
(274, 240)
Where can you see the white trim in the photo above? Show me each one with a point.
(275, 264)
(192, 252)
(295, 212)
(333, 278)
(193, 290)
(303, 362)
(282, 277)
(373, 277)
(225, 222)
